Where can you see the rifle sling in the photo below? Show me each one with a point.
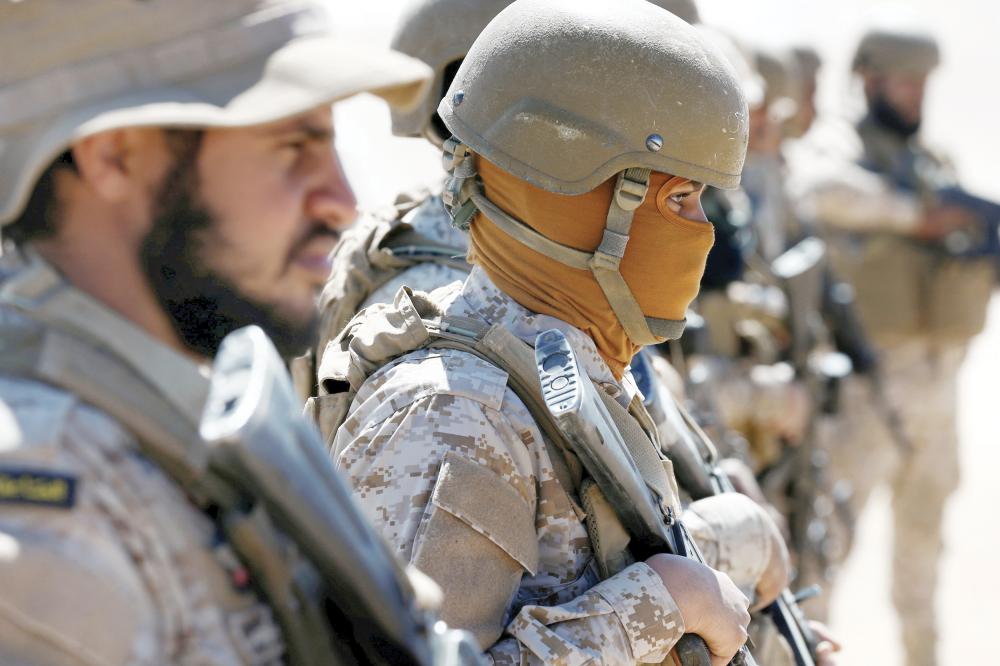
(501, 348)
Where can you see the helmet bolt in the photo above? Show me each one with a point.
(458, 98)
(654, 142)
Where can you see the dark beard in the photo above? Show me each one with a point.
(886, 116)
(203, 305)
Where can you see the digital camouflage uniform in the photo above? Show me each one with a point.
(436, 443)
(141, 574)
(444, 456)
(431, 220)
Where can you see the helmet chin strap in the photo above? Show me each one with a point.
(464, 197)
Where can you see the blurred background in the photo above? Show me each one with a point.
(962, 120)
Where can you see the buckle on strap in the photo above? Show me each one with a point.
(454, 154)
(613, 243)
(461, 218)
(631, 188)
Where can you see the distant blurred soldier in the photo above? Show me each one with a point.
(771, 362)
(808, 64)
(775, 224)
(745, 310)
(922, 293)
(167, 176)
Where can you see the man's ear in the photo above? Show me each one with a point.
(113, 164)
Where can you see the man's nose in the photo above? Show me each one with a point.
(694, 211)
(332, 200)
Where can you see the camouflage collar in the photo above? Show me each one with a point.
(480, 298)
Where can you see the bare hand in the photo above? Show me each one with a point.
(710, 604)
(826, 645)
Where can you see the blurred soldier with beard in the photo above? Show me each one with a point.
(900, 247)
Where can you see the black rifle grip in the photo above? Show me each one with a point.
(693, 651)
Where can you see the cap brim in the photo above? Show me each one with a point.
(305, 73)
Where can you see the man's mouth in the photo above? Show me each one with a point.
(313, 255)
(315, 263)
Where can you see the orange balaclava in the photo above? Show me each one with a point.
(662, 266)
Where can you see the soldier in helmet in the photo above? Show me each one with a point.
(416, 245)
(808, 64)
(919, 299)
(438, 442)
(166, 176)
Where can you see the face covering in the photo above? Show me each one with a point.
(662, 266)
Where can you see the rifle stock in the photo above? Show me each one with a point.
(358, 598)
(584, 420)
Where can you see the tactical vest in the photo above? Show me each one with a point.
(368, 256)
(343, 602)
(380, 334)
(908, 289)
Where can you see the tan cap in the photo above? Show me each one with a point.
(565, 94)
(886, 50)
(72, 69)
(782, 81)
(808, 60)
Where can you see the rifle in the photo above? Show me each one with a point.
(340, 594)
(982, 240)
(586, 423)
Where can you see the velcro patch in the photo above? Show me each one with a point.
(36, 487)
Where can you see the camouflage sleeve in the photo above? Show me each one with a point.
(628, 618)
(853, 199)
(451, 485)
(734, 534)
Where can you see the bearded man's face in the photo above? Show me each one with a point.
(244, 223)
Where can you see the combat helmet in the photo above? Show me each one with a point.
(568, 94)
(896, 49)
(440, 33)
(782, 81)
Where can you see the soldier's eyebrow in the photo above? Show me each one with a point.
(309, 130)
